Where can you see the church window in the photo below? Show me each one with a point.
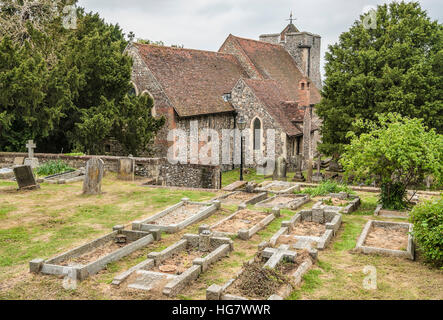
(257, 134)
(227, 97)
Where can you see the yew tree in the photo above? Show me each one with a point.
(392, 64)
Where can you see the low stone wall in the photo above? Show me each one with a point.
(179, 175)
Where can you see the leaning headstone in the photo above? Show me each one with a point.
(31, 160)
(94, 175)
(25, 178)
(126, 169)
(280, 169)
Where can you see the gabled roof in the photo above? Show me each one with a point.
(290, 28)
(272, 62)
(193, 80)
(277, 103)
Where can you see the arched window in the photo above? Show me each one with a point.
(257, 134)
(153, 111)
(133, 90)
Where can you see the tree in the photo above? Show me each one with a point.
(394, 67)
(67, 88)
(398, 152)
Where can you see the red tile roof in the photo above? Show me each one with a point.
(193, 80)
(272, 61)
(277, 103)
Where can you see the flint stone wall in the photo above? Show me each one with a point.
(159, 169)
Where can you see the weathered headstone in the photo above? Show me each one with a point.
(19, 161)
(31, 160)
(280, 169)
(126, 169)
(94, 175)
(298, 177)
(309, 171)
(25, 178)
(318, 176)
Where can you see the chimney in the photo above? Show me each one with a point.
(304, 93)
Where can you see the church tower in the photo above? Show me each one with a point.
(303, 46)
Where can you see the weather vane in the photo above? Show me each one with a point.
(291, 19)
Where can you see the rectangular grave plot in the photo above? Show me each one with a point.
(379, 211)
(313, 228)
(278, 187)
(339, 202)
(387, 238)
(177, 217)
(285, 201)
(168, 272)
(245, 285)
(243, 223)
(242, 197)
(93, 256)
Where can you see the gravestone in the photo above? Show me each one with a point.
(318, 176)
(31, 160)
(94, 175)
(298, 177)
(126, 169)
(280, 169)
(19, 161)
(309, 171)
(25, 178)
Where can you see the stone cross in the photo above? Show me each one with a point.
(31, 146)
(276, 255)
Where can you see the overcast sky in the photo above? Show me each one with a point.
(205, 24)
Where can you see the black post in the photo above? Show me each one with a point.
(241, 158)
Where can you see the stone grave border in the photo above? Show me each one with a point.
(268, 184)
(304, 197)
(379, 211)
(331, 219)
(259, 197)
(410, 251)
(75, 176)
(208, 210)
(351, 207)
(199, 265)
(81, 272)
(243, 233)
(217, 292)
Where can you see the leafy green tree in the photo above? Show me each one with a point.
(66, 88)
(397, 152)
(394, 67)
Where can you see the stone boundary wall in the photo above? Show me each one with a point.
(159, 169)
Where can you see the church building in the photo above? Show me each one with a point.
(273, 83)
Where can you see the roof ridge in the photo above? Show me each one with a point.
(263, 42)
(182, 49)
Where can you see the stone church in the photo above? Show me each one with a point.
(273, 83)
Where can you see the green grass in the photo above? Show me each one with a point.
(311, 281)
(234, 175)
(5, 209)
(327, 187)
(352, 227)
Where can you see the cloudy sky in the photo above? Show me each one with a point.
(205, 24)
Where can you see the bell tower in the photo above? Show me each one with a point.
(303, 46)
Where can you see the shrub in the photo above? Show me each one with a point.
(428, 230)
(53, 167)
(327, 187)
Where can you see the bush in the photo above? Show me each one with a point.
(428, 230)
(53, 167)
(327, 187)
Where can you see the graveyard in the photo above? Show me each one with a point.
(119, 242)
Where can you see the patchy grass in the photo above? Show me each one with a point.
(56, 218)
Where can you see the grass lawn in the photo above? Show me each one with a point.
(56, 218)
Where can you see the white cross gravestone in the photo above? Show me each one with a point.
(31, 160)
(93, 177)
(277, 255)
